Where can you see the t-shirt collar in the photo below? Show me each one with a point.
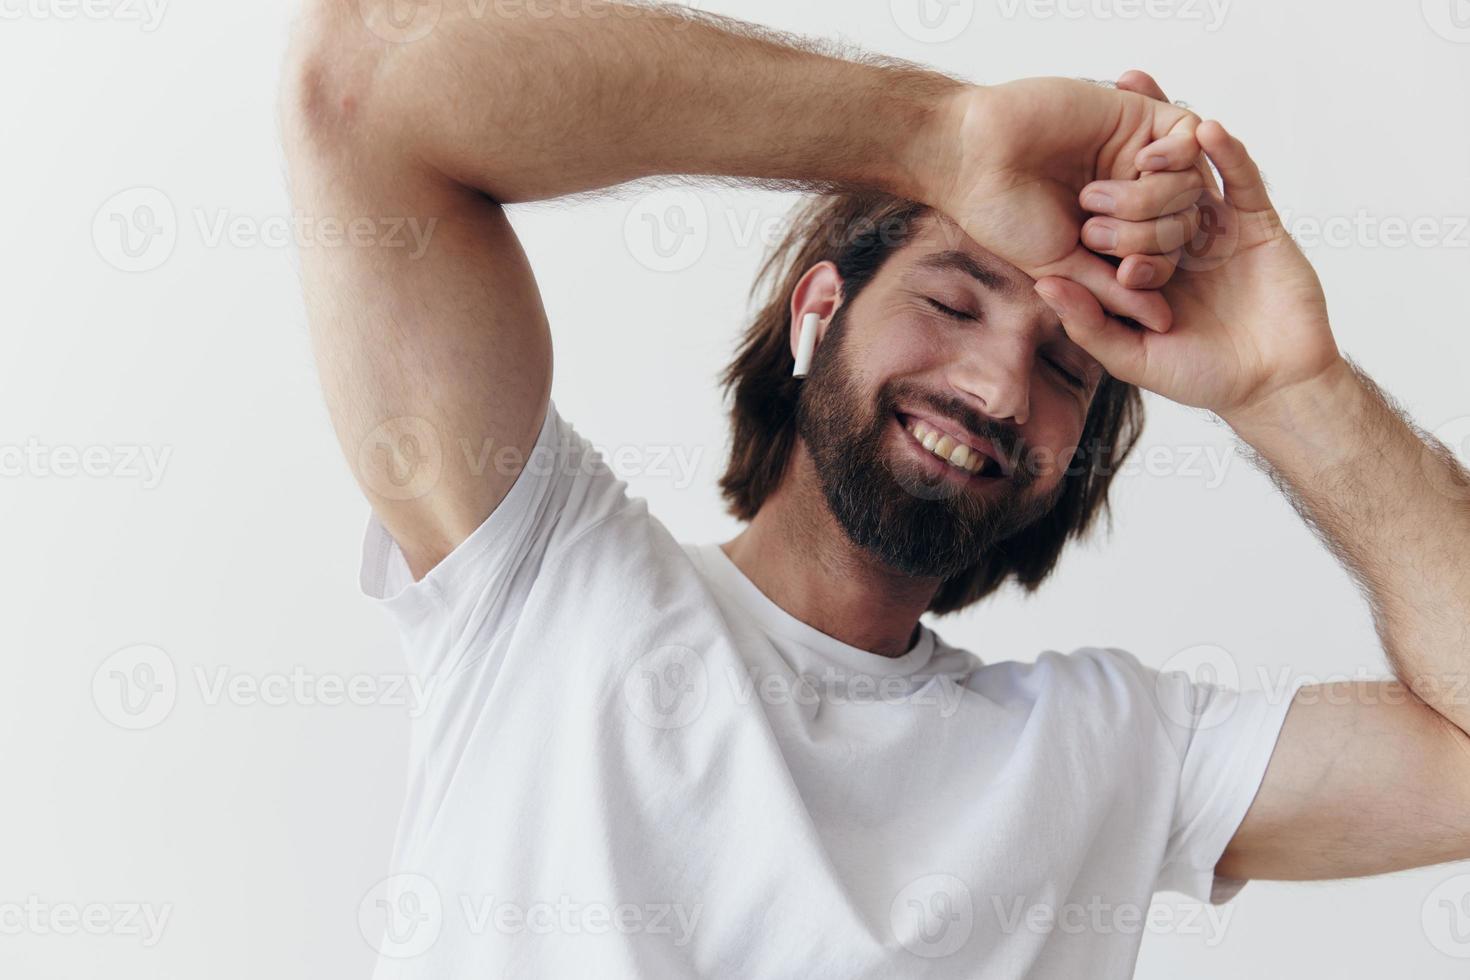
(779, 623)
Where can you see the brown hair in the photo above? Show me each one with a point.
(858, 232)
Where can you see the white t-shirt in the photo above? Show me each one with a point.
(633, 763)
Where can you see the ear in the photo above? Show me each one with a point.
(819, 291)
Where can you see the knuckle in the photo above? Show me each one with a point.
(1131, 206)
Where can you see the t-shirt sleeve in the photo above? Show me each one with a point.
(1223, 739)
(564, 489)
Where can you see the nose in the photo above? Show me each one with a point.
(997, 377)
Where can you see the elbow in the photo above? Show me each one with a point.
(324, 97)
(351, 100)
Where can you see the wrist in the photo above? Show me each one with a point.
(936, 158)
(1298, 408)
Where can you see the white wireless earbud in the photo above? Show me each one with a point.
(805, 344)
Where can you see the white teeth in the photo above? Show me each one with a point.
(957, 454)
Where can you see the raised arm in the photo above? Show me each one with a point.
(1366, 777)
(427, 353)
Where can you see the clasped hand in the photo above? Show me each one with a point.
(1171, 280)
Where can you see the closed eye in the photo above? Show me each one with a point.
(1072, 379)
(949, 311)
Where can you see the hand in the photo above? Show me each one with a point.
(1250, 318)
(1027, 149)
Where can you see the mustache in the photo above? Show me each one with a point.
(1007, 441)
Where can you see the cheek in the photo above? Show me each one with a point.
(910, 343)
(1052, 445)
(1057, 408)
(903, 348)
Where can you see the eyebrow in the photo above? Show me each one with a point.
(966, 263)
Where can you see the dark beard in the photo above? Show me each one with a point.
(915, 524)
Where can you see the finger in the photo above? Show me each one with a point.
(1244, 188)
(1099, 277)
(1178, 150)
(1141, 83)
(1158, 237)
(1150, 196)
(1148, 271)
(1212, 186)
(1120, 349)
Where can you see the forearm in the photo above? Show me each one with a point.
(1393, 504)
(526, 107)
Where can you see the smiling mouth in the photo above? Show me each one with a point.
(958, 459)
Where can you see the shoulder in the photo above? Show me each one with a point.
(1107, 673)
(1103, 689)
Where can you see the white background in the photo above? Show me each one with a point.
(260, 827)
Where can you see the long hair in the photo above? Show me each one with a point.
(858, 232)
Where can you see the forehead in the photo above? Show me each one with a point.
(938, 244)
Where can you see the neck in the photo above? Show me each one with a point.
(795, 552)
